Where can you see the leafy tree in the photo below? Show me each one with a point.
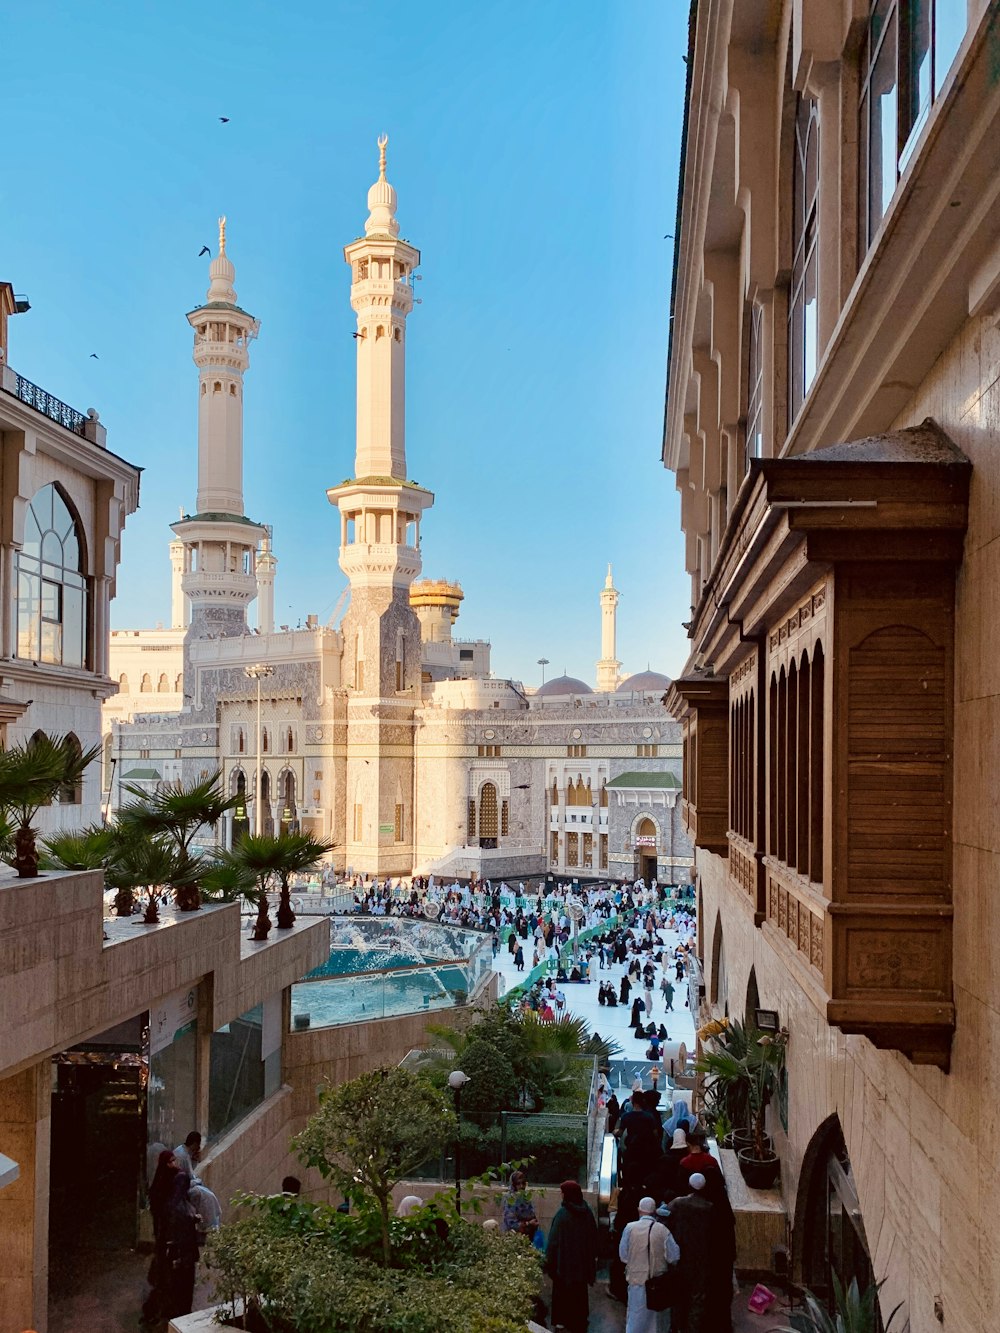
(373, 1132)
(175, 813)
(32, 774)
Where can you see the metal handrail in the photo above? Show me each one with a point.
(52, 407)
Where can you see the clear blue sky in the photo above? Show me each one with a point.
(534, 147)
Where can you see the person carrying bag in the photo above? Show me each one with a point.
(651, 1277)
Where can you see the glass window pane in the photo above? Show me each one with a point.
(809, 326)
(950, 21)
(51, 600)
(882, 133)
(73, 627)
(28, 608)
(236, 1071)
(51, 645)
(32, 534)
(915, 97)
(171, 1108)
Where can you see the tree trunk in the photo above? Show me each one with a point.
(262, 926)
(383, 1204)
(286, 917)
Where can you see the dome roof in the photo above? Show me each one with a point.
(643, 682)
(562, 685)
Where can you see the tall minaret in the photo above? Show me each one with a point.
(219, 541)
(380, 512)
(267, 565)
(178, 601)
(608, 668)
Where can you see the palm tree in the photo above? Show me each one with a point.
(270, 858)
(31, 776)
(140, 861)
(176, 812)
(87, 849)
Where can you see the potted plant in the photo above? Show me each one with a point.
(174, 814)
(744, 1067)
(758, 1161)
(855, 1311)
(268, 858)
(32, 775)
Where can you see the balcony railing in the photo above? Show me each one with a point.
(52, 407)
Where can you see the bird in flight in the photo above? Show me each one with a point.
(94, 356)
(669, 236)
(204, 251)
(224, 119)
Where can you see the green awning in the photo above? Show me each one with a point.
(646, 781)
(141, 775)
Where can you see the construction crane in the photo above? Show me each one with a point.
(331, 623)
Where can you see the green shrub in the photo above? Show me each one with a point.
(304, 1269)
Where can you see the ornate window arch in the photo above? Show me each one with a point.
(71, 793)
(52, 592)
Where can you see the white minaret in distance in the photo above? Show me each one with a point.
(178, 602)
(380, 513)
(608, 668)
(267, 565)
(220, 542)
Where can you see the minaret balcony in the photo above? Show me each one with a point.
(376, 562)
(226, 587)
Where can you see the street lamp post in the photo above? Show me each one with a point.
(543, 663)
(258, 672)
(457, 1081)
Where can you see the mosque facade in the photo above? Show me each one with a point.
(382, 733)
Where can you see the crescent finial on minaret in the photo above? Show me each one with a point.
(383, 140)
(222, 234)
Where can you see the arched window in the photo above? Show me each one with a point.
(179, 683)
(719, 988)
(802, 294)
(51, 587)
(147, 685)
(71, 793)
(290, 741)
(123, 684)
(164, 684)
(264, 740)
(241, 741)
(604, 795)
(555, 792)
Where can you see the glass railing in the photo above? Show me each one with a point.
(558, 1144)
(359, 997)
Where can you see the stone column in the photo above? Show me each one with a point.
(25, 1112)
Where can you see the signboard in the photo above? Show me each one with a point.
(387, 828)
(646, 840)
(172, 1017)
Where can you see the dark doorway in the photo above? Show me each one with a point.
(97, 1156)
(241, 820)
(647, 867)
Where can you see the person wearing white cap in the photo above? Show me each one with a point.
(647, 1248)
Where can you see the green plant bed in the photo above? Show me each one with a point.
(559, 1153)
(302, 1268)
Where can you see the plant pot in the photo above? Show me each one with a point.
(744, 1138)
(759, 1173)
